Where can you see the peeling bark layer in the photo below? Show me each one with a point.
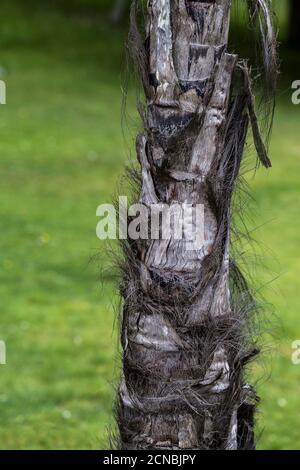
(183, 328)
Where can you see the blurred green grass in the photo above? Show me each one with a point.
(62, 152)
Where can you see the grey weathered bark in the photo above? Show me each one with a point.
(185, 313)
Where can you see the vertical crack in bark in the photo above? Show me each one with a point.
(183, 329)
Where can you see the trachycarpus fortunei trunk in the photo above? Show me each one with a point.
(185, 313)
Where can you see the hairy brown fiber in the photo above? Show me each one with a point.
(185, 313)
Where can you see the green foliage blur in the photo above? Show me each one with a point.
(63, 147)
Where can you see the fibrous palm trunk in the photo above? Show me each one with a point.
(185, 312)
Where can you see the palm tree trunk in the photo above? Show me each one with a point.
(184, 326)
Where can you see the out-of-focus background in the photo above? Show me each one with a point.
(62, 151)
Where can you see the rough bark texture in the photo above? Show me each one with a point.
(185, 312)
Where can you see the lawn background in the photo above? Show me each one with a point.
(62, 151)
